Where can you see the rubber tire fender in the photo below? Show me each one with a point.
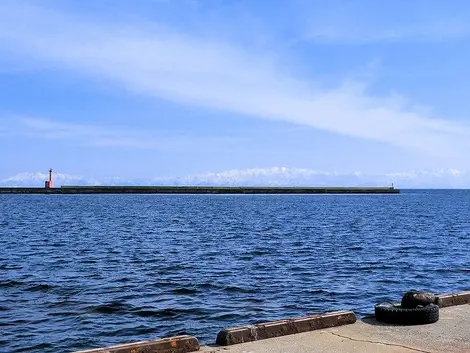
(393, 313)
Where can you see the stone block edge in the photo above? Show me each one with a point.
(176, 344)
(451, 299)
(272, 329)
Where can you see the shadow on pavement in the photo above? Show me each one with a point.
(370, 320)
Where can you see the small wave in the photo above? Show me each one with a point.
(245, 257)
(259, 253)
(452, 270)
(10, 267)
(156, 313)
(59, 302)
(387, 280)
(375, 267)
(15, 322)
(318, 291)
(10, 283)
(445, 270)
(168, 312)
(293, 307)
(62, 313)
(123, 280)
(254, 300)
(184, 291)
(235, 289)
(208, 286)
(139, 330)
(177, 268)
(225, 317)
(176, 333)
(39, 347)
(40, 288)
(111, 308)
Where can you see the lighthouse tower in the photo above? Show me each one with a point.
(48, 183)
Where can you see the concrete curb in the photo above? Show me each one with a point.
(272, 329)
(177, 344)
(451, 299)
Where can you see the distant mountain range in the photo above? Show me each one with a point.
(276, 176)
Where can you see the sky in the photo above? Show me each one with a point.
(235, 91)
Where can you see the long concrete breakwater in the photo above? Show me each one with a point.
(197, 190)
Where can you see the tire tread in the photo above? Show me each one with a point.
(394, 314)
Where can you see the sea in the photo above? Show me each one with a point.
(87, 271)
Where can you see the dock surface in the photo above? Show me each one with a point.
(450, 334)
(196, 190)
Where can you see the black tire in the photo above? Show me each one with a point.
(393, 313)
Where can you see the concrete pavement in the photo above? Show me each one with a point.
(451, 334)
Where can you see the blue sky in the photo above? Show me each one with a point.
(177, 88)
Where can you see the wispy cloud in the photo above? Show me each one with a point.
(343, 32)
(95, 135)
(100, 135)
(207, 72)
(348, 23)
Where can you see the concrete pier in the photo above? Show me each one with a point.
(330, 333)
(449, 334)
(197, 190)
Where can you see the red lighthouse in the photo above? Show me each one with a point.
(48, 183)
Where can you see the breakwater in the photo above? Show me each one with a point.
(197, 190)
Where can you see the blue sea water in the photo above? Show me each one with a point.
(85, 271)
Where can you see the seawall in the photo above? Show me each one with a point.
(338, 331)
(196, 190)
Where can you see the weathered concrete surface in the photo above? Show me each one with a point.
(197, 190)
(450, 334)
(241, 334)
(177, 344)
(445, 300)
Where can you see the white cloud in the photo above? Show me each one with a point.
(59, 179)
(258, 176)
(38, 178)
(456, 172)
(275, 176)
(283, 176)
(434, 173)
(159, 62)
